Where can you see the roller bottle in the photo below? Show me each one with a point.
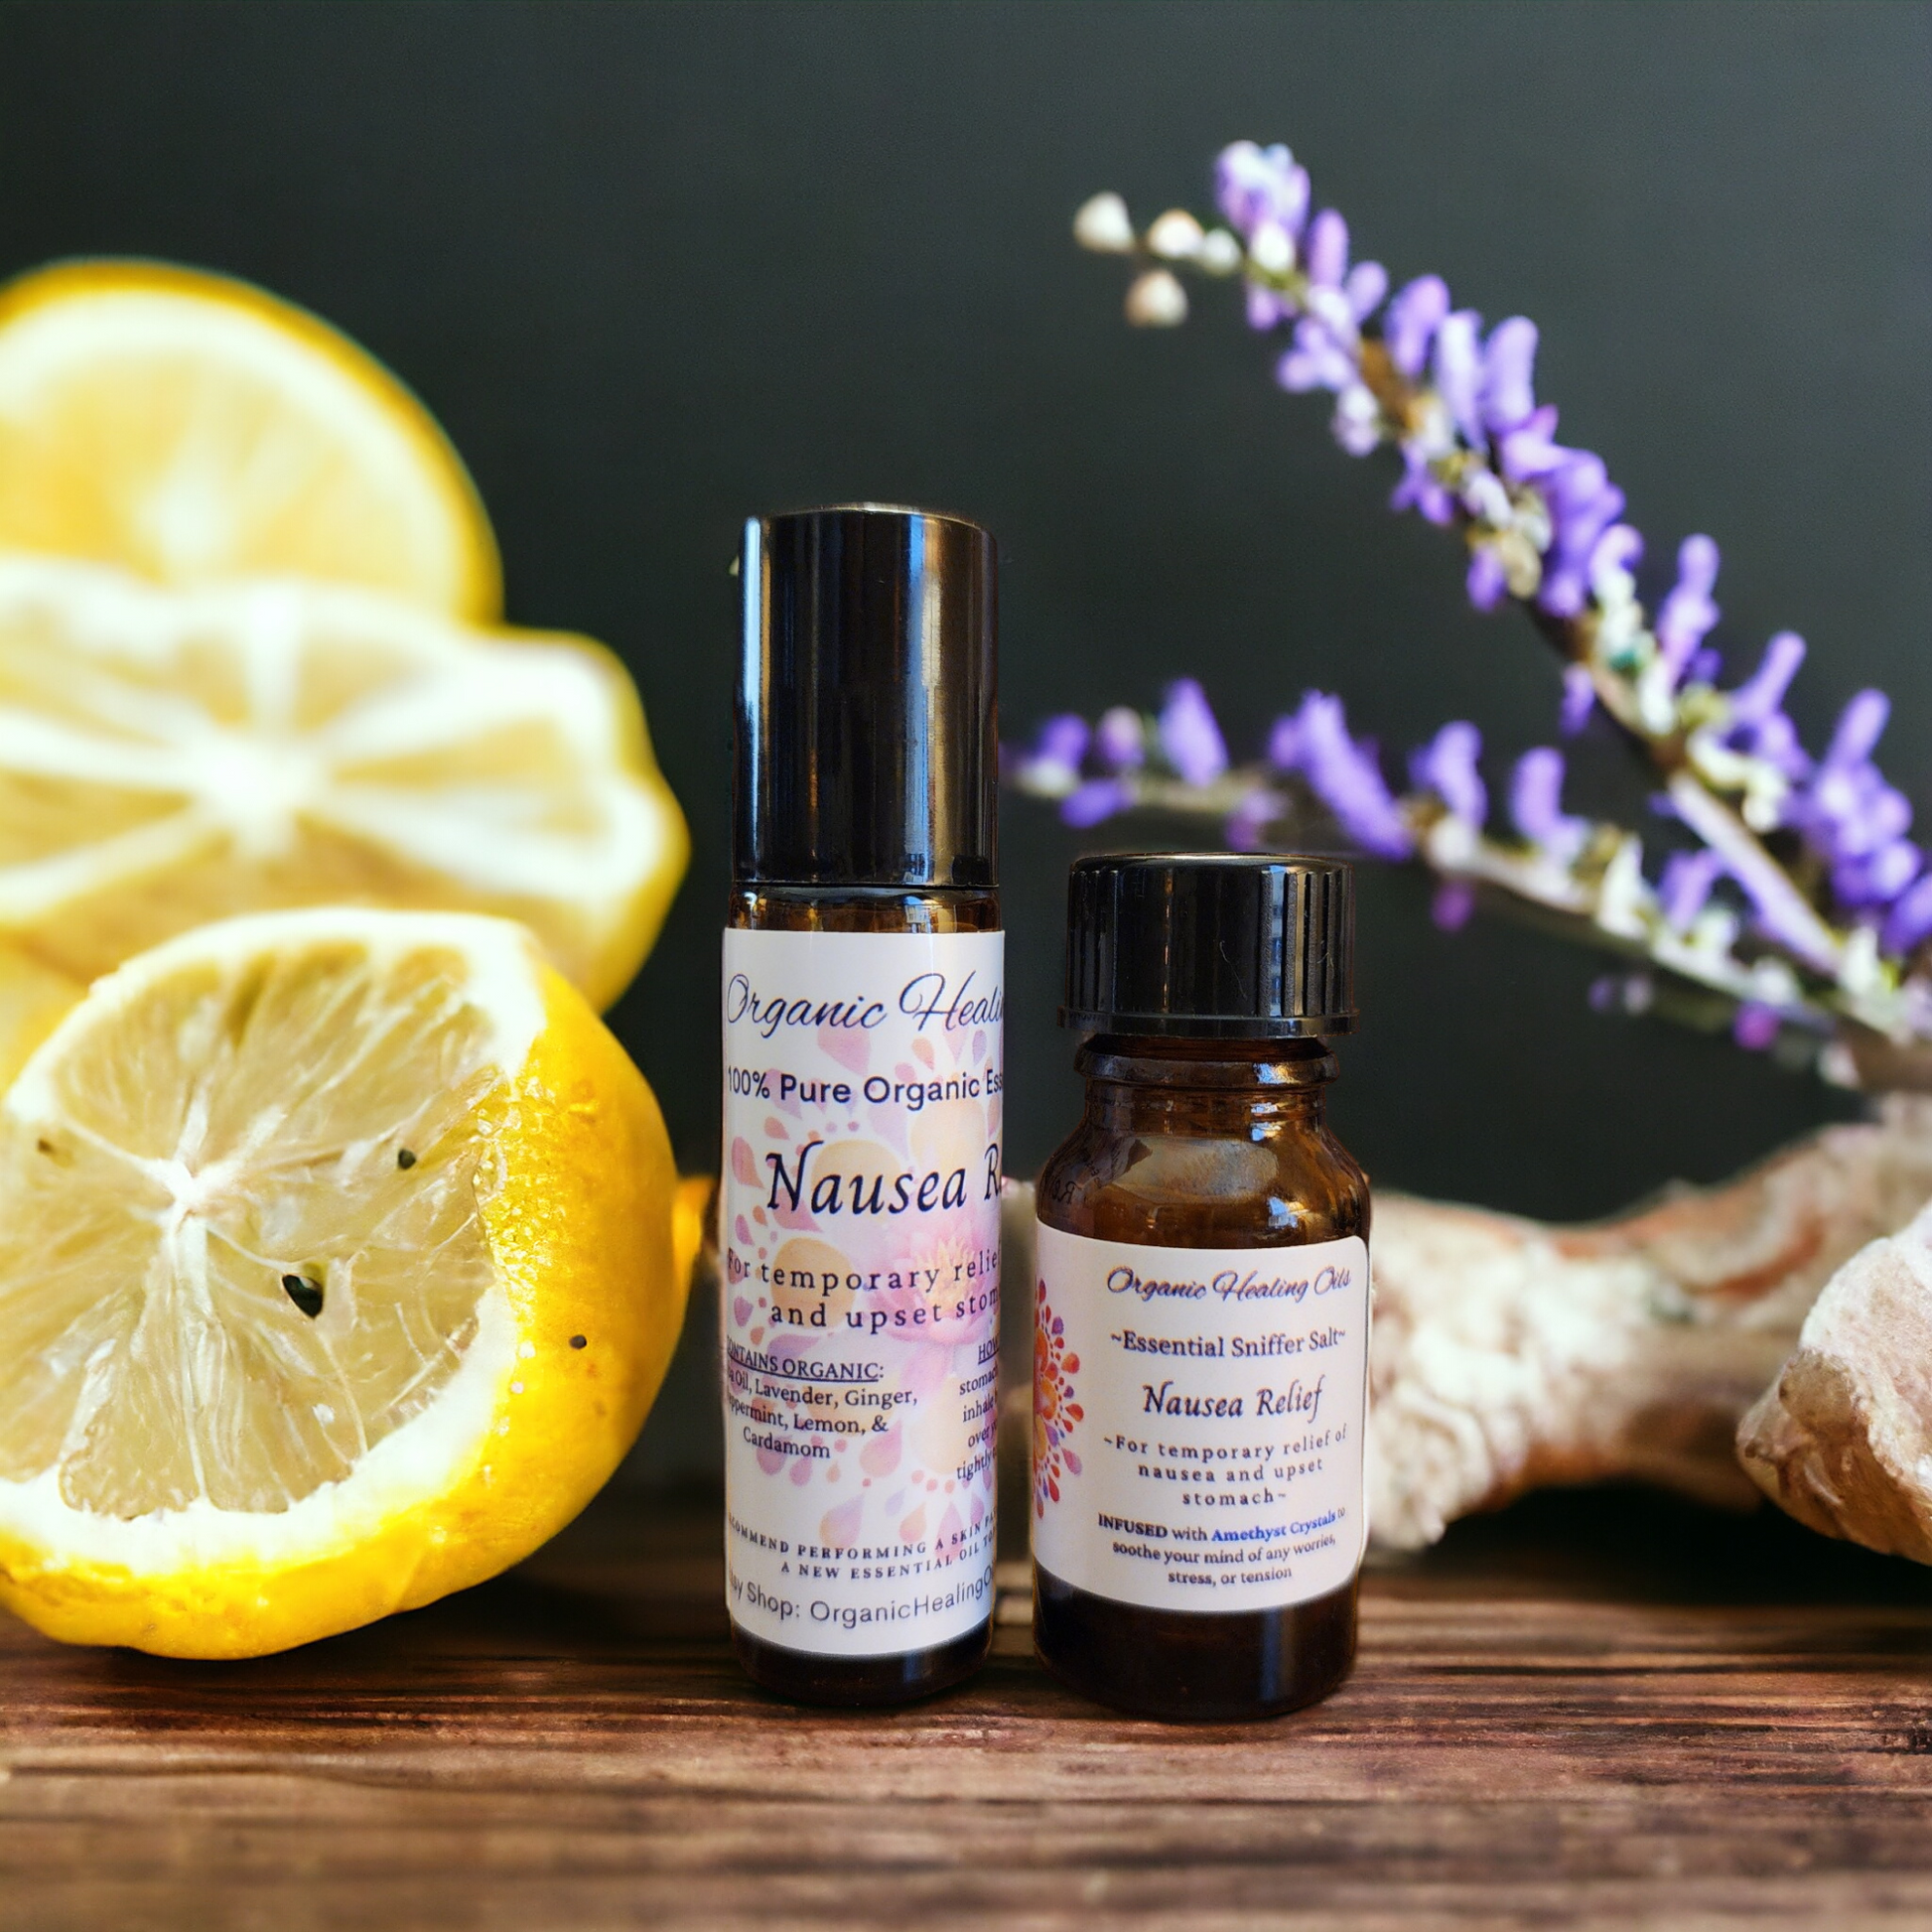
(863, 1008)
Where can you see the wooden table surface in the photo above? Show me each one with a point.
(1593, 1709)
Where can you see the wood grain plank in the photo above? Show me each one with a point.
(1566, 1716)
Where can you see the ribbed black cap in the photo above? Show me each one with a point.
(1215, 945)
(866, 723)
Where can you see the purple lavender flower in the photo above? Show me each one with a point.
(1446, 766)
(1578, 699)
(1535, 805)
(1503, 474)
(1327, 352)
(1253, 185)
(1530, 450)
(1120, 739)
(1190, 737)
(1098, 799)
(1326, 254)
(1420, 489)
(1454, 899)
(1618, 549)
(1861, 724)
(1364, 286)
(1266, 308)
(1909, 922)
(1316, 361)
(1508, 365)
(1055, 761)
(1458, 370)
(1688, 881)
(1247, 826)
(1688, 611)
(1583, 504)
(1851, 818)
(1409, 328)
(1757, 720)
(1487, 582)
(1347, 777)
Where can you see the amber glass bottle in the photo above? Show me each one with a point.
(1201, 1311)
(864, 1086)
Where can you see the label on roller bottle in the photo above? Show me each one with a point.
(860, 1263)
(1198, 1421)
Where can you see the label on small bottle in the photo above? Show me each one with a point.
(860, 1264)
(1199, 1418)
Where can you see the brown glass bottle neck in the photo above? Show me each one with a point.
(1139, 1084)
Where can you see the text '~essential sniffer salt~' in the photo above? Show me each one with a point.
(864, 1007)
(1201, 1299)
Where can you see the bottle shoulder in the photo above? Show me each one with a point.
(1282, 1186)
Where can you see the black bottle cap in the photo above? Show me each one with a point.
(1210, 945)
(868, 741)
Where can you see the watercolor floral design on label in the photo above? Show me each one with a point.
(861, 1257)
(1055, 1413)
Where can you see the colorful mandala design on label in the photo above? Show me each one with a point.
(1055, 1413)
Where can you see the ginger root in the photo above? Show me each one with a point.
(1842, 1439)
(1507, 1353)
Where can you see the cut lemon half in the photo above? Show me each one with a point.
(191, 426)
(32, 1001)
(170, 758)
(336, 1273)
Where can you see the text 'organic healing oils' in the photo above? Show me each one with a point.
(863, 1083)
(1201, 1311)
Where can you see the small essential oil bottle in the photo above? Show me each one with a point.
(864, 1086)
(1200, 1354)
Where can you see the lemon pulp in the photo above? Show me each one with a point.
(171, 757)
(335, 1271)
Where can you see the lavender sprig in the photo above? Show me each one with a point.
(1832, 901)
(1316, 779)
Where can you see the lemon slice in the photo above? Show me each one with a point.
(167, 757)
(335, 1273)
(190, 425)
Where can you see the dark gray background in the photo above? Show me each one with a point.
(656, 266)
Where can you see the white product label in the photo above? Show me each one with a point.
(861, 1262)
(1198, 1420)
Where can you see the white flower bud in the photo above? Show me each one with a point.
(1220, 252)
(1357, 422)
(1176, 236)
(1157, 301)
(1859, 967)
(1622, 898)
(1329, 306)
(1486, 498)
(1272, 249)
(1837, 1067)
(1104, 226)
